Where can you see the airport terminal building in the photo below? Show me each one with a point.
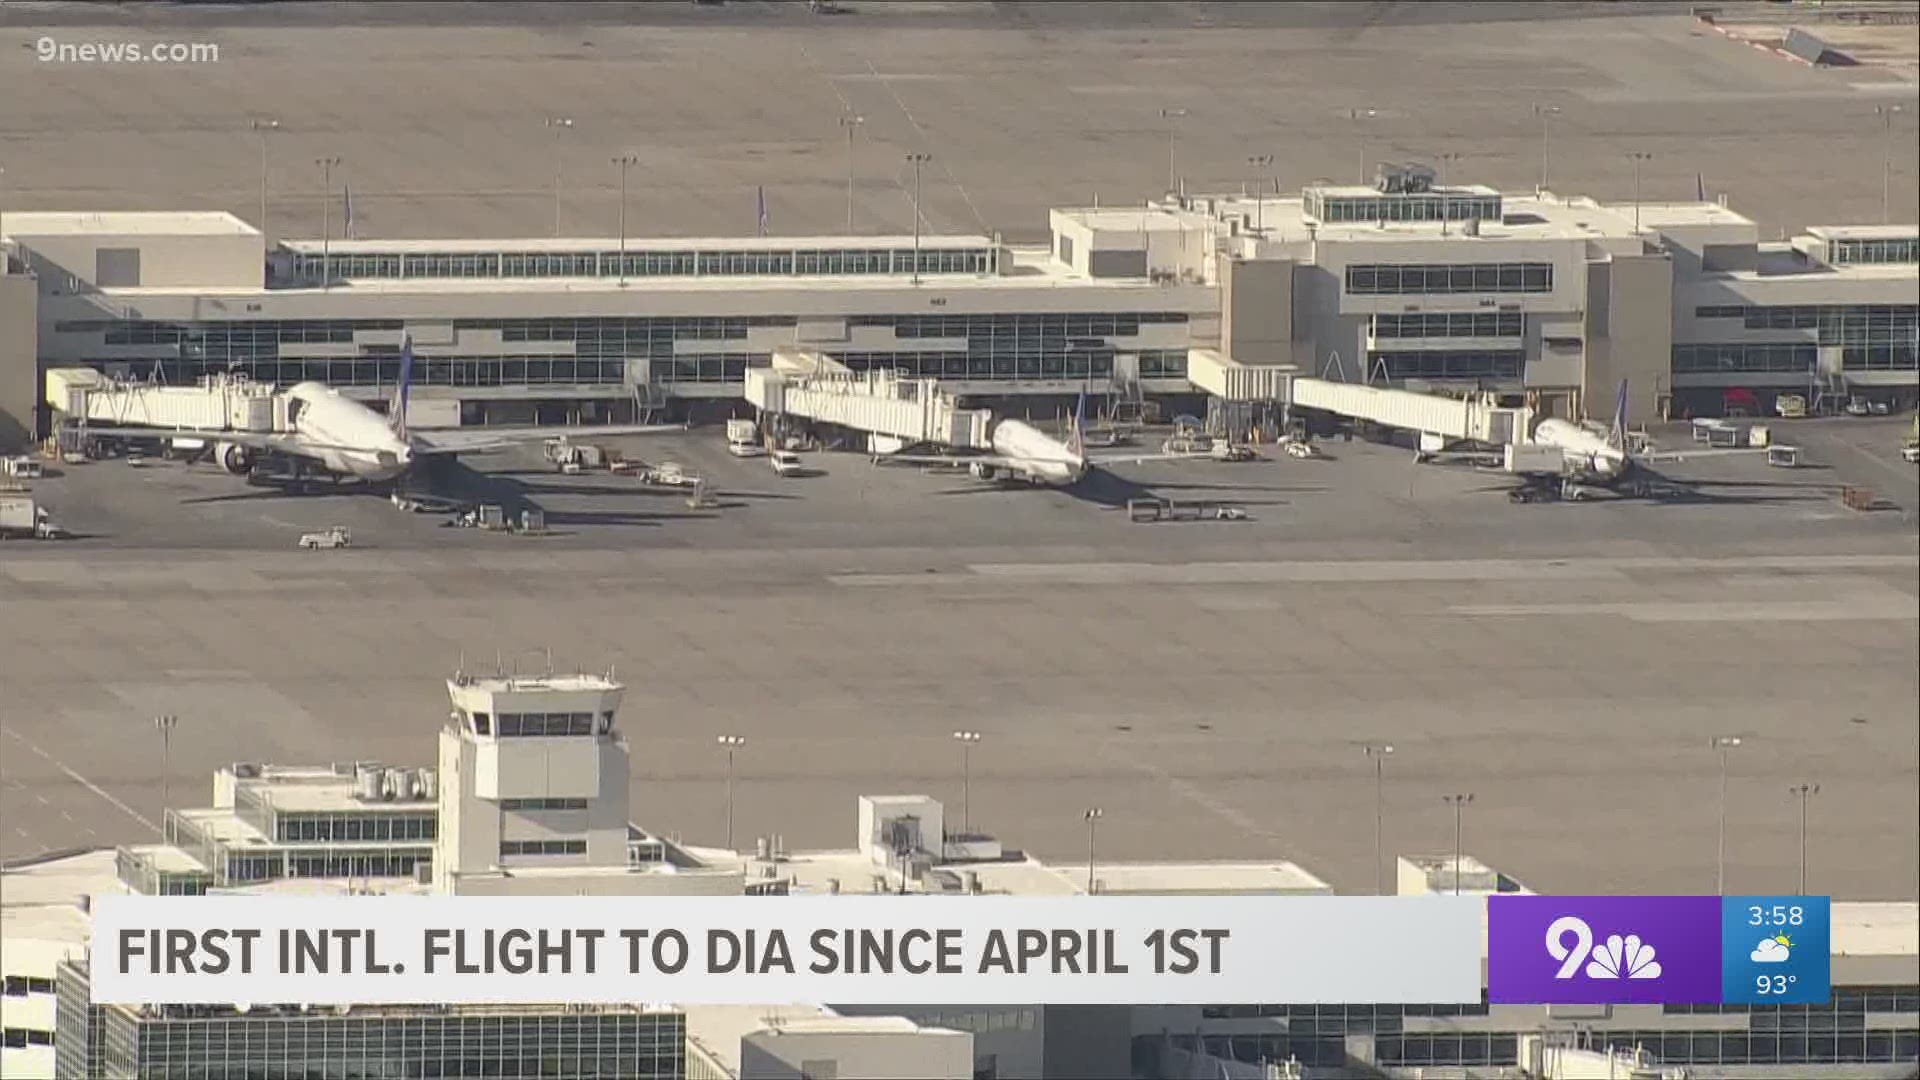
(1405, 282)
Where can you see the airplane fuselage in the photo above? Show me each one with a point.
(1587, 456)
(1042, 459)
(343, 435)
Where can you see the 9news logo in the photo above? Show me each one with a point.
(1603, 949)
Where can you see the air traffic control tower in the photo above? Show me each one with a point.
(534, 794)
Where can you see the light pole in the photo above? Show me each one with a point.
(1886, 113)
(1093, 816)
(1639, 158)
(966, 739)
(1545, 113)
(164, 725)
(558, 125)
(1360, 134)
(1172, 116)
(326, 218)
(1257, 162)
(1458, 802)
(917, 161)
(1379, 752)
(625, 162)
(1723, 743)
(851, 124)
(1805, 793)
(260, 128)
(731, 744)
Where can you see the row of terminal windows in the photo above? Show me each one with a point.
(1879, 358)
(297, 828)
(1422, 207)
(1448, 363)
(389, 862)
(1479, 324)
(16, 1038)
(1744, 358)
(1837, 323)
(1068, 324)
(841, 261)
(543, 804)
(1745, 1048)
(540, 724)
(542, 847)
(385, 371)
(1863, 252)
(22, 985)
(1429, 280)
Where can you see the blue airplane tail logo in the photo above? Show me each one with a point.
(399, 418)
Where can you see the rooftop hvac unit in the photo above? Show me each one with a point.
(367, 783)
(429, 783)
(396, 785)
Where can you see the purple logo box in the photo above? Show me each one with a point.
(1614, 950)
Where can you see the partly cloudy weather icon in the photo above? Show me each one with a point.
(1773, 950)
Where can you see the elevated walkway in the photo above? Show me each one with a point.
(811, 386)
(1475, 419)
(229, 403)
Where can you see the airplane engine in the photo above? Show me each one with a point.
(234, 458)
(982, 471)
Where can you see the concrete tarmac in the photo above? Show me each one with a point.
(1208, 684)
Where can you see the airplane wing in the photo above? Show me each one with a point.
(253, 440)
(956, 460)
(1135, 459)
(1656, 457)
(482, 440)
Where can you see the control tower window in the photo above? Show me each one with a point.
(482, 723)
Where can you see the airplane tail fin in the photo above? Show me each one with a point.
(1617, 435)
(1077, 435)
(399, 417)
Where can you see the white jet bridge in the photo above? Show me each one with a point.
(1439, 420)
(218, 402)
(897, 411)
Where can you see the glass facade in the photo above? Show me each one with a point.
(1871, 337)
(191, 1043)
(1414, 206)
(1386, 279)
(542, 847)
(1063, 345)
(1478, 324)
(1873, 252)
(769, 262)
(1744, 358)
(1836, 1033)
(1448, 363)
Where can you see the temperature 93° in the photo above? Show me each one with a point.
(1773, 985)
(1775, 915)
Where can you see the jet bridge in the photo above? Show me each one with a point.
(219, 402)
(815, 387)
(1442, 419)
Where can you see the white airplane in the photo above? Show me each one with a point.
(1022, 452)
(348, 440)
(1608, 460)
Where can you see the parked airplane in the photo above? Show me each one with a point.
(1022, 452)
(343, 438)
(1609, 460)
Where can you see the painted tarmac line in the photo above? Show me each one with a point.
(81, 780)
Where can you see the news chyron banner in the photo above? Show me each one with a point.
(855, 950)
(1619, 950)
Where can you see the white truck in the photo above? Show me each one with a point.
(335, 536)
(743, 439)
(21, 516)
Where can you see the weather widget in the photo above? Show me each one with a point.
(1658, 949)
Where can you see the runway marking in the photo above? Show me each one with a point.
(1365, 571)
(81, 780)
(1863, 609)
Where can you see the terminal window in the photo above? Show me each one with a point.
(1384, 279)
(542, 847)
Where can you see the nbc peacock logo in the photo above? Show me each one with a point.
(1570, 940)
